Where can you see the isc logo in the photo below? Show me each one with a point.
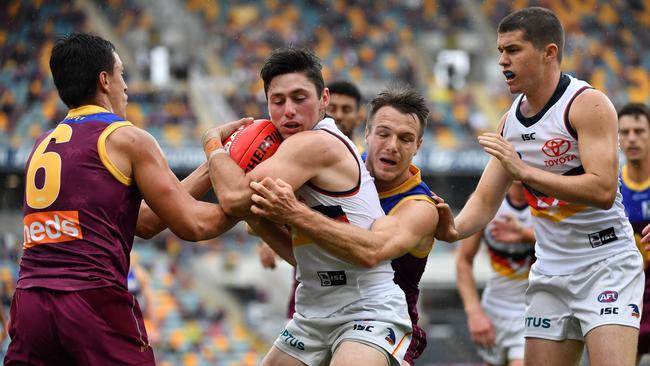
(608, 296)
(51, 227)
(608, 311)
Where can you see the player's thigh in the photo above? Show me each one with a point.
(276, 357)
(33, 336)
(114, 319)
(352, 353)
(612, 345)
(516, 362)
(545, 352)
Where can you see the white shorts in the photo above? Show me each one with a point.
(509, 341)
(382, 323)
(569, 306)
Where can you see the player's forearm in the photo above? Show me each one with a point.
(231, 185)
(467, 285)
(278, 238)
(476, 214)
(345, 241)
(196, 184)
(588, 188)
(528, 235)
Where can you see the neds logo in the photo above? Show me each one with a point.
(608, 296)
(51, 227)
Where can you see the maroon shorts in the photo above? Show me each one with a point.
(101, 326)
(644, 327)
(417, 346)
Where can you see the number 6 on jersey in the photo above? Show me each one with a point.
(50, 162)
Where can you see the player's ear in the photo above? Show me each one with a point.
(103, 81)
(551, 52)
(325, 98)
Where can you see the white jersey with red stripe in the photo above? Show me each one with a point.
(505, 289)
(570, 236)
(328, 283)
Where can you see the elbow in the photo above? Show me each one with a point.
(605, 199)
(192, 231)
(145, 233)
(235, 204)
(369, 260)
(367, 263)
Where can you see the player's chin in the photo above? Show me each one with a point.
(384, 174)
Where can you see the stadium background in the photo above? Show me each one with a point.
(193, 64)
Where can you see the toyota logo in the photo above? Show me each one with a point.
(556, 147)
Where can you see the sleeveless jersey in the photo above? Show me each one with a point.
(80, 211)
(510, 262)
(327, 283)
(410, 267)
(570, 236)
(636, 200)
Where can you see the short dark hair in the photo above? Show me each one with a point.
(345, 88)
(76, 61)
(635, 110)
(287, 60)
(404, 99)
(540, 26)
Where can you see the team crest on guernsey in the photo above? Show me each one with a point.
(390, 338)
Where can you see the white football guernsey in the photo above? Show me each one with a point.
(504, 293)
(327, 283)
(570, 236)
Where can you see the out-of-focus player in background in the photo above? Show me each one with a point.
(396, 123)
(85, 181)
(634, 137)
(345, 106)
(495, 322)
(560, 139)
(322, 165)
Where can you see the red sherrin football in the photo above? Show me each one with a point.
(252, 144)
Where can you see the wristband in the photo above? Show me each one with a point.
(219, 150)
(210, 142)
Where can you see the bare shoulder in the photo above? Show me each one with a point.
(592, 107)
(132, 138)
(314, 144)
(416, 209)
(417, 215)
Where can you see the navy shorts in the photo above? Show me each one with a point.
(101, 326)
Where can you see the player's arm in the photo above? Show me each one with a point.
(482, 205)
(508, 229)
(480, 326)
(196, 184)
(137, 154)
(297, 160)
(389, 237)
(594, 119)
(277, 237)
(147, 294)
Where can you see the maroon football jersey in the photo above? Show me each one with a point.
(80, 211)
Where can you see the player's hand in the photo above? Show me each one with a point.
(646, 235)
(497, 146)
(274, 200)
(507, 229)
(267, 256)
(222, 132)
(481, 328)
(446, 229)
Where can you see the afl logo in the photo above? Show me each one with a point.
(556, 147)
(608, 296)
